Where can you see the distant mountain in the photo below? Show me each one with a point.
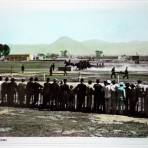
(88, 47)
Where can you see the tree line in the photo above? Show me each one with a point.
(4, 50)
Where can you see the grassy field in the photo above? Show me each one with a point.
(27, 122)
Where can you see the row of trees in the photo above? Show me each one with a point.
(4, 50)
(64, 53)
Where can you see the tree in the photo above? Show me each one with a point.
(64, 53)
(4, 50)
(99, 53)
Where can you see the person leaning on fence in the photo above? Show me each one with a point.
(46, 93)
(71, 98)
(146, 103)
(12, 91)
(140, 96)
(4, 91)
(55, 90)
(121, 95)
(29, 92)
(128, 96)
(64, 95)
(113, 97)
(1, 88)
(98, 97)
(81, 93)
(89, 94)
(107, 92)
(21, 92)
(132, 100)
(36, 92)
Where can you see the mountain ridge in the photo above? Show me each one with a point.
(86, 47)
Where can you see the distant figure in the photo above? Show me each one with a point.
(50, 70)
(65, 71)
(126, 73)
(53, 66)
(113, 73)
(22, 68)
(21, 92)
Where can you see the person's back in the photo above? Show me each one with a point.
(98, 96)
(132, 99)
(140, 96)
(81, 93)
(21, 92)
(29, 91)
(121, 95)
(12, 89)
(81, 89)
(107, 96)
(114, 96)
(4, 90)
(89, 93)
(107, 91)
(55, 90)
(64, 95)
(36, 91)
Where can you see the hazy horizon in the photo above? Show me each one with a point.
(44, 21)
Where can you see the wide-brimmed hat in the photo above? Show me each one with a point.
(108, 81)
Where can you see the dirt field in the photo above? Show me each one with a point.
(27, 122)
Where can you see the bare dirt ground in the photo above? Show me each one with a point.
(22, 122)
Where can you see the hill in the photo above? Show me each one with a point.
(88, 47)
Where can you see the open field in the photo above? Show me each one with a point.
(41, 70)
(27, 122)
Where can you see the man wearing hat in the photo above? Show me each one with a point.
(121, 95)
(21, 92)
(4, 91)
(37, 90)
(29, 91)
(12, 89)
(64, 95)
(81, 93)
(55, 90)
(107, 95)
(140, 96)
(46, 92)
(98, 97)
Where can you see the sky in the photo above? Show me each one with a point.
(44, 21)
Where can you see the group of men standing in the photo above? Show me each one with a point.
(107, 97)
